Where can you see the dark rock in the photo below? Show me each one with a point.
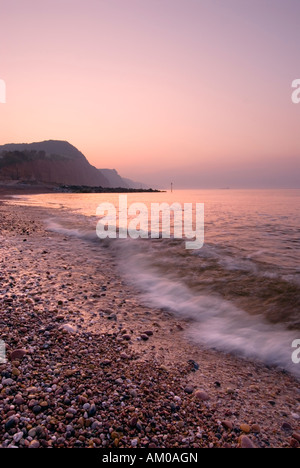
(17, 354)
(189, 389)
(112, 317)
(194, 364)
(37, 409)
(92, 411)
(126, 337)
(12, 422)
(286, 427)
(133, 422)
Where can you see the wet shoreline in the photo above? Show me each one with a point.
(100, 369)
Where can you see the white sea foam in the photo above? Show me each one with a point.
(215, 323)
(80, 233)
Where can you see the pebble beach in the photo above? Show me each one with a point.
(89, 365)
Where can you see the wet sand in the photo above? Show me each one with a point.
(90, 366)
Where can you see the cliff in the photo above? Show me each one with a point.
(50, 162)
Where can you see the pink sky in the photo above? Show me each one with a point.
(194, 91)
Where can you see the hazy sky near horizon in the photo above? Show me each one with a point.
(193, 91)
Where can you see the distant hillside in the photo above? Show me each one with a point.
(135, 185)
(51, 162)
(115, 180)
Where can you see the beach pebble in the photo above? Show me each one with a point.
(106, 362)
(92, 411)
(34, 444)
(8, 382)
(126, 337)
(32, 433)
(255, 428)
(246, 443)
(19, 400)
(201, 395)
(124, 356)
(112, 317)
(37, 409)
(145, 337)
(296, 435)
(69, 328)
(134, 443)
(189, 389)
(81, 422)
(18, 436)
(12, 422)
(286, 427)
(245, 428)
(294, 443)
(17, 354)
(227, 425)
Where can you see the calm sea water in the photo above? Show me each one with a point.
(240, 292)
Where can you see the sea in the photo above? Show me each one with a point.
(239, 293)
